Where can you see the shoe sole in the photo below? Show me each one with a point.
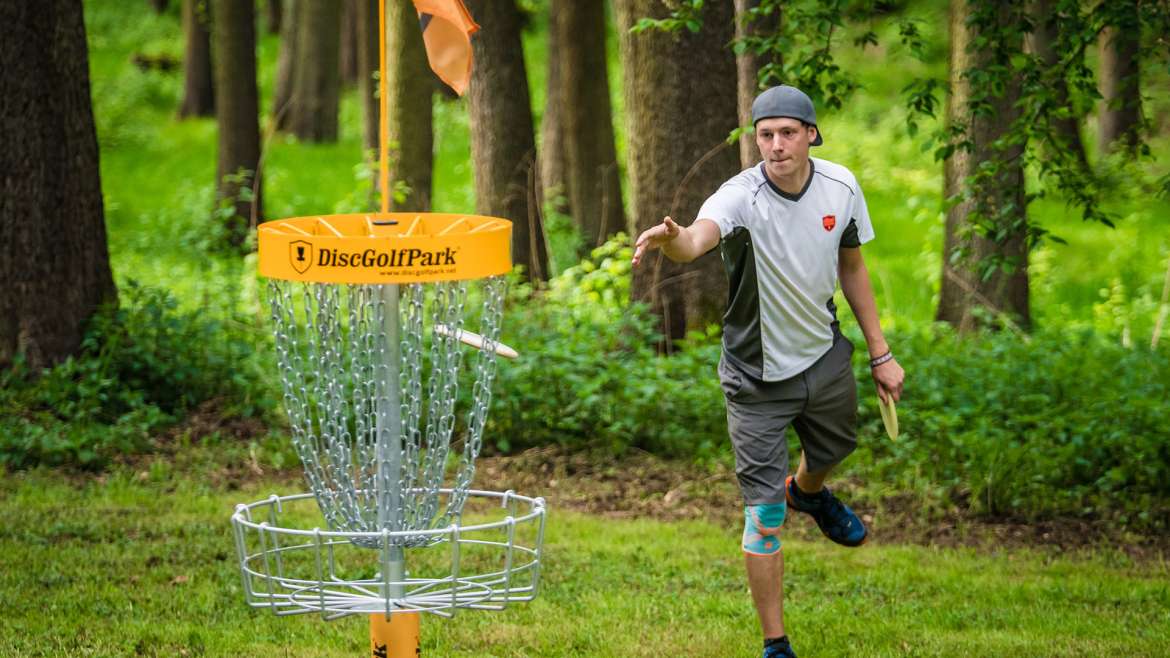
(792, 504)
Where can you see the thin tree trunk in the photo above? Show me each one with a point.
(349, 41)
(748, 66)
(368, 66)
(1121, 103)
(56, 265)
(316, 84)
(239, 126)
(594, 179)
(965, 288)
(273, 15)
(553, 181)
(681, 104)
(503, 148)
(409, 89)
(282, 93)
(1040, 41)
(198, 86)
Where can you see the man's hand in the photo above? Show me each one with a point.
(888, 377)
(654, 238)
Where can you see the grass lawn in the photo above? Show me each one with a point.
(140, 562)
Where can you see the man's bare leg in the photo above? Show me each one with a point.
(810, 482)
(766, 579)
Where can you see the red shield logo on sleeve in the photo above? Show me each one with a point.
(829, 221)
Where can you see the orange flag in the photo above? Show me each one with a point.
(447, 27)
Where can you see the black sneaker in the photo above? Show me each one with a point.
(779, 650)
(833, 517)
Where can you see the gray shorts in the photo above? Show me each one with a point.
(821, 403)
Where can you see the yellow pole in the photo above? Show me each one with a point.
(384, 109)
(397, 638)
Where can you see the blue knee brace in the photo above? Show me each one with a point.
(761, 528)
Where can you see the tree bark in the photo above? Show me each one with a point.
(1041, 41)
(681, 105)
(273, 15)
(553, 181)
(965, 290)
(590, 156)
(748, 66)
(1121, 103)
(282, 93)
(316, 83)
(239, 127)
(56, 265)
(503, 148)
(198, 88)
(409, 95)
(368, 65)
(348, 53)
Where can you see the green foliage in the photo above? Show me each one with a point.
(142, 364)
(1064, 423)
(590, 375)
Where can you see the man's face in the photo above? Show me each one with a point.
(783, 144)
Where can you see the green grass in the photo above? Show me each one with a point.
(142, 563)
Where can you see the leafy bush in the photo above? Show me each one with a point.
(1056, 423)
(142, 365)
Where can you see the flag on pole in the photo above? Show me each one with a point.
(447, 27)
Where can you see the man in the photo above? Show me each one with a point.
(789, 229)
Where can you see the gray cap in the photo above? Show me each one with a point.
(786, 101)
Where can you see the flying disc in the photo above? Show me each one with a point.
(889, 418)
(474, 340)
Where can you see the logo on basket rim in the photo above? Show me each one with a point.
(300, 255)
(829, 221)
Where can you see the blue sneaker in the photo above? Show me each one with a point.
(833, 517)
(779, 650)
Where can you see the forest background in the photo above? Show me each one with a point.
(1049, 415)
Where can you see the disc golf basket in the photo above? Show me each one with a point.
(387, 333)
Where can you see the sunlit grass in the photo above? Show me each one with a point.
(143, 563)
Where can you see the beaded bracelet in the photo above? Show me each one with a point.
(877, 361)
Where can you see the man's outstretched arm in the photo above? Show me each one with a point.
(681, 244)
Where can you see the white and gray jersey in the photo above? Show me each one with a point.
(780, 252)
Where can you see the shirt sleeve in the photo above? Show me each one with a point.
(860, 215)
(727, 208)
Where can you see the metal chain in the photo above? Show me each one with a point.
(333, 358)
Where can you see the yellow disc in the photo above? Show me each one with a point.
(889, 418)
(385, 248)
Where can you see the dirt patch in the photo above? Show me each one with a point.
(638, 484)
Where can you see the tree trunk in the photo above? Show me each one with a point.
(239, 127)
(348, 54)
(56, 265)
(160, 6)
(1041, 41)
(273, 15)
(368, 65)
(316, 83)
(282, 93)
(594, 179)
(967, 291)
(198, 89)
(553, 181)
(748, 67)
(409, 95)
(681, 105)
(503, 148)
(1121, 102)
